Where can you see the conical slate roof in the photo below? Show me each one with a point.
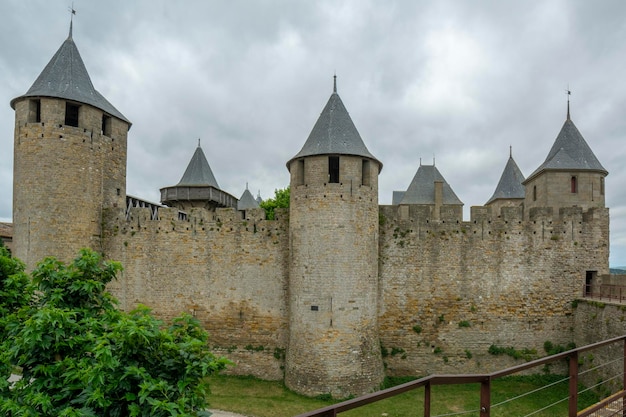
(247, 201)
(198, 172)
(570, 152)
(66, 77)
(510, 185)
(334, 133)
(422, 188)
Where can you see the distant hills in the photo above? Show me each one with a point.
(618, 270)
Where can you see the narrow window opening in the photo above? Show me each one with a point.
(574, 184)
(106, 125)
(365, 172)
(601, 186)
(34, 111)
(315, 308)
(300, 172)
(333, 169)
(534, 193)
(118, 191)
(71, 114)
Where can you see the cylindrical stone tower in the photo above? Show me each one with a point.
(69, 161)
(333, 276)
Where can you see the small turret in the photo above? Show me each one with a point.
(570, 176)
(510, 192)
(197, 188)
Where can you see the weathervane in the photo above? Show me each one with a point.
(72, 13)
(569, 93)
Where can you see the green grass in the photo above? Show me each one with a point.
(253, 397)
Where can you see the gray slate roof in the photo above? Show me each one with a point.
(66, 77)
(247, 201)
(334, 133)
(422, 188)
(570, 152)
(198, 172)
(510, 184)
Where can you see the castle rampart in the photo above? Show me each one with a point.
(450, 289)
(227, 271)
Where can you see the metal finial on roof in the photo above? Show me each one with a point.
(420, 161)
(335, 83)
(569, 93)
(198, 142)
(246, 185)
(433, 160)
(72, 13)
(510, 151)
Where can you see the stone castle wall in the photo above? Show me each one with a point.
(447, 289)
(450, 289)
(596, 321)
(228, 272)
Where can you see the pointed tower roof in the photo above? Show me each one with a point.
(570, 152)
(334, 133)
(510, 184)
(422, 188)
(66, 77)
(247, 201)
(198, 172)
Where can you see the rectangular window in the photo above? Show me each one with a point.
(534, 193)
(34, 111)
(365, 172)
(574, 184)
(333, 169)
(106, 125)
(71, 114)
(601, 186)
(300, 172)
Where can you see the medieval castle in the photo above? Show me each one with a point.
(336, 291)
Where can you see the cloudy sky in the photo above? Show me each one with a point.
(458, 81)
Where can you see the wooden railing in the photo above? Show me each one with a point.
(610, 406)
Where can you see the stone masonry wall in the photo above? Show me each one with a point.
(596, 321)
(450, 289)
(334, 341)
(63, 177)
(228, 272)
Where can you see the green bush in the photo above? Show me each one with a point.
(81, 356)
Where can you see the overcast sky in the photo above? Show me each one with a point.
(459, 81)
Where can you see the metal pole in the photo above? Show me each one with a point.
(427, 400)
(485, 398)
(573, 384)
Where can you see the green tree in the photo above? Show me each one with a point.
(280, 200)
(81, 356)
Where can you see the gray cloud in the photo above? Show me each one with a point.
(460, 81)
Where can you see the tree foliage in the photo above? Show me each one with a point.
(81, 356)
(280, 200)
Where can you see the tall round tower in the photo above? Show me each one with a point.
(333, 276)
(69, 161)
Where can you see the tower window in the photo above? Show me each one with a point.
(534, 193)
(333, 169)
(300, 172)
(34, 111)
(574, 184)
(106, 125)
(71, 114)
(365, 172)
(601, 186)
